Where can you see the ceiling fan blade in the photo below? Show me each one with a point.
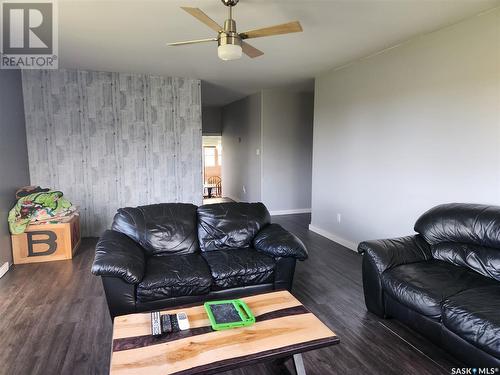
(250, 50)
(201, 16)
(285, 28)
(192, 42)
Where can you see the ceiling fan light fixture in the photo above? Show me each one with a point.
(229, 52)
(231, 44)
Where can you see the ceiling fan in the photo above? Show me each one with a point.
(231, 44)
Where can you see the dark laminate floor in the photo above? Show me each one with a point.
(54, 320)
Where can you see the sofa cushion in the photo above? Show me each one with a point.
(165, 228)
(485, 260)
(239, 267)
(423, 286)
(474, 315)
(474, 224)
(230, 225)
(174, 276)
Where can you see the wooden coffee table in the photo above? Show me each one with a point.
(284, 328)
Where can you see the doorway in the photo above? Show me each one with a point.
(212, 168)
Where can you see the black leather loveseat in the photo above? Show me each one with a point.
(172, 254)
(443, 282)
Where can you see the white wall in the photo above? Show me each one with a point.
(267, 149)
(287, 122)
(400, 132)
(211, 122)
(241, 138)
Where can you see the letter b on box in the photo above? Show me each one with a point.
(42, 238)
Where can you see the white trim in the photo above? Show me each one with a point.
(291, 212)
(349, 244)
(233, 198)
(4, 268)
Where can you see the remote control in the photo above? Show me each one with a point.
(166, 323)
(175, 323)
(155, 324)
(183, 321)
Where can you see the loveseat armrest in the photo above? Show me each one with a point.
(381, 255)
(277, 242)
(117, 255)
(396, 251)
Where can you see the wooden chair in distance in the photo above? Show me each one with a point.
(217, 190)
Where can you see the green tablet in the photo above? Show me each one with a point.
(229, 314)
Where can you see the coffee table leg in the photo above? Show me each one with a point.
(299, 364)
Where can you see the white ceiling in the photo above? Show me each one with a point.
(130, 36)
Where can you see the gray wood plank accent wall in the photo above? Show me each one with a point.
(110, 140)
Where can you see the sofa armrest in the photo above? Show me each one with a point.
(120, 296)
(274, 240)
(381, 255)
(283, 273)
(396, 251)
(117, 255)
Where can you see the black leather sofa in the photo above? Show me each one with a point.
(172, 254)
(443, 282)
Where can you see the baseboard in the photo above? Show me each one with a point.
(291, 212)
(349, 244)
(4, 268)
(233, 198)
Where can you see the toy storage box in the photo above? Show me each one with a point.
(47, 242)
